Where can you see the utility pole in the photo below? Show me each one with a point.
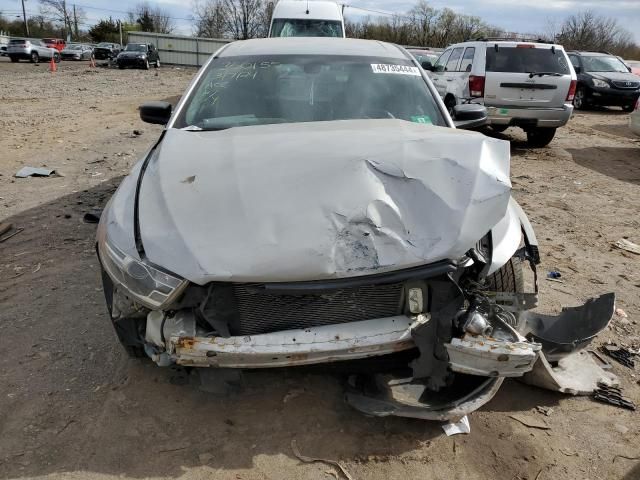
(120, 25)
(75, 22)
(26, 25)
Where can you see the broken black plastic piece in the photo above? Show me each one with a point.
(612, 396)
(621, 355)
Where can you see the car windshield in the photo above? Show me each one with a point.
(104, 45)
(135, 47)
(526, 60)
(293, 27)
(258, 90)
(74, 47)
(603, 63)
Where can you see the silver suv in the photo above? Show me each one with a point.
(524, 84)
(33, 50)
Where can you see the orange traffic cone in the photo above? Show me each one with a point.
(53, 68)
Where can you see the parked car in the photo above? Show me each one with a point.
(310, 201)
(426, 58)
(523, 84)
(31, 49)
(139, 55)
(293, 18)
(56, 43)
(77, 52)
(604, 80)
(3, 50)
(634, 66)
(106, 50)
(634, 119)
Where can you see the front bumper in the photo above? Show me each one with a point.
(612, 96)
(67, 56)
(529, 116)
(102, 54)
(19, 53)
(132, 62)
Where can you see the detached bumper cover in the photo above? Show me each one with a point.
(541, 117)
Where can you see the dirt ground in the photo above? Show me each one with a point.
(72, 405)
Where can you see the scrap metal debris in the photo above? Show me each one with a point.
(25, 172)
(530, 421)
(12, 234)
(612, 396)
(458, 427)
(628, 246)
(5, 227)
(620, 354)
(305, 459)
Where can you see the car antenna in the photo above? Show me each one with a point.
(307, 7)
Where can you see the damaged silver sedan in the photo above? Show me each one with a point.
(311, 201)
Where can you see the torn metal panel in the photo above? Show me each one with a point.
(408, 398)
(272, 203)
(573, 329)
(347, 341)
(575, 374)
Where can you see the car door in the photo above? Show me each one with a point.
(526, 75)
(452, 75)
(438, 73)
(43, 50)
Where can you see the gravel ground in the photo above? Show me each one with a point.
(73, 406)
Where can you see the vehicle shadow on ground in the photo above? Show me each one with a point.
(617, 130)
(615, 162)
(78, 404)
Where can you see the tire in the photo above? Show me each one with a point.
(499, 128)
(508, 279)
(629, 108)
(56, 57)
(540, 137)
(35, 58)
(450, 103)
(580, 99)
(146, 64)
(121, 67)
(14, 59)
(157, 64)
(135, 352)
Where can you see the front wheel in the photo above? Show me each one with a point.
(540, 137)
(157, 65)
(146, 64)
(56, 57)
(629, 108)
(35, 58)
(509, 278)
(14, 59)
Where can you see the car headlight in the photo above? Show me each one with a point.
(142, 56)
(145, 283)
(600, 83)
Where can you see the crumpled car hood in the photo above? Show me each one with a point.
(310, 201)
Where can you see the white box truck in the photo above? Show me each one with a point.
(303, 18)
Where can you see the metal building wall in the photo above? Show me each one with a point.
(179, 49)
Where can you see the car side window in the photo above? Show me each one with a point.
(453, 60)
(575, 61)
(467, 59)
(442, 61)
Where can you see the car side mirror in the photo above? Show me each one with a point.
(469, 116)
(578, 70)
(155, 112)
(427, 65)
(438, 68)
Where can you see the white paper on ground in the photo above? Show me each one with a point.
(455, 428)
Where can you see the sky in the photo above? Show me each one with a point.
(511, 15)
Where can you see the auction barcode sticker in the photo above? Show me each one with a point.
(397, 69)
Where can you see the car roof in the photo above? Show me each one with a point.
(592, 54)
(313, 46)
(508, 43)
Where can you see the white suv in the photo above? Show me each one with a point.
(524, 84)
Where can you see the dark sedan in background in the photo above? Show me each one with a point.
(106, 50)
(604, 80)
(139, 55)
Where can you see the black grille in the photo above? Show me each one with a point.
(626, 84)
(264, 312)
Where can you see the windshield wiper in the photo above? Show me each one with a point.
(195, 128)
(540, 74)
